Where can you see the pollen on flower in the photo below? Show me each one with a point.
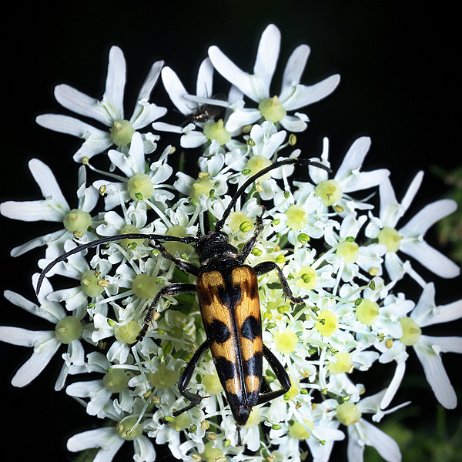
(411, 331)
(307, 278)
(348, 251)
(297, 218)
(128, 332)
(329, 192)
(348, 413)
(341, 363)
(140, 186)
(286, 341)
(239, 222)
(77, 221)
(116, 380)
(272, 109)
(68, 329)
(145, 286)
(128, 429)
(326, 323)
(390, 238)
(216, 131)
(367, 312)
(122, 132)
(90, 283)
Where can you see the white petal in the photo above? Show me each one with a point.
(32, 308)
(294, 69)
(445, 344)
(365, 180)
(84, 389)
(431, 258)
(394, 266)
(241, 117)
(390, 211)
(304, 95)
(384, 444)
(70, 125)
(240, 79)
(165, 127)
(24, 337)
(115, 83)
(267, 56)
(355, 451)
(145, 113)
(136, 153)
(144, 449)
(176, 91)
(446, 313)
(105, 438)
(204, 85)
(436, 374)
(428, 216)
(32, 211)
(47, 182)
(82, 104)
(293, 124)
(96, 143)
(89, 199)
(411, 191)
(354, 158)
(425, 306)
(36, 363)
(193, 139)
(150, 81)
(37, 242)
(394, 385)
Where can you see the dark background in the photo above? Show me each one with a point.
(399, 85)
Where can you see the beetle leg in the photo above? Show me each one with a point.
(194, 398)
(281, 375)
(182, 264)
(268, 266)
(172, 289)
(249, 245)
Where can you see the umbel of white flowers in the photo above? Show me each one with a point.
(338, 252)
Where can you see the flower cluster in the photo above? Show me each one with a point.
(341, 252)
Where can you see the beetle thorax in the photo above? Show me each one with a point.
(215, 246)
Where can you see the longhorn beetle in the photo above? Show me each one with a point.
(227, 290)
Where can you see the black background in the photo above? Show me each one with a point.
(399, 85)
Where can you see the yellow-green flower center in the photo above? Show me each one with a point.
(286, 341)
(178, 248)
(145, 286)
(341, 363)
(77, 221)
(329, 192)
(307, 278)
(201, 187)
(212, 454)
(68, 329)
(327, 323)
(122, 132)
(411, 331)
(128, 332)
(348, 413)
(367, 312)
(163, 377)
(140, 187)
(217, 131)
(212, 384)
(181, 422)
(116, 380)
(255, 164)
(348, 250)
(301, 431)
(272, 109)
(390, 238)
(297, 218)
(128, 429)
(128, 244)
(91, 283)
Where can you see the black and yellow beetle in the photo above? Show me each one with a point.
(227, 290)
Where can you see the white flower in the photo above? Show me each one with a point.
(429, 348)
(108, 111)
(53, 207)
(256, 86)
(68, 331)
(409, 238)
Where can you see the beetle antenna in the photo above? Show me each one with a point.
(117, 237)
(220, 223)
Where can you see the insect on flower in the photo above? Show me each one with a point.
(227, 290)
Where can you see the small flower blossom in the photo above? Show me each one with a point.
(108, 111)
